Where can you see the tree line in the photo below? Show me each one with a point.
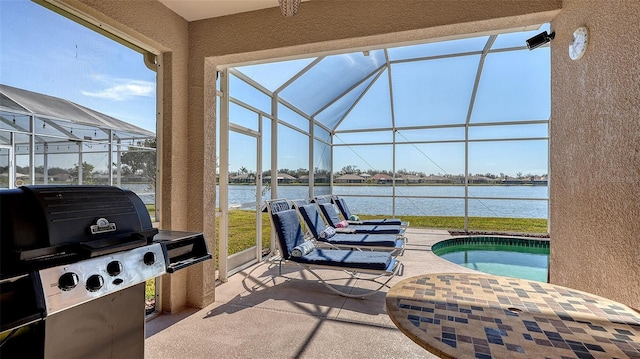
(352, 169)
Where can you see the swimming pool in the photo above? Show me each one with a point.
(506, 256)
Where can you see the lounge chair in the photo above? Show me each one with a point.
(322, 234)
(346, 214)
(331, 216)
(364, 265)
(316, 229)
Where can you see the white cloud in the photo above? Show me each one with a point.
(122, 89)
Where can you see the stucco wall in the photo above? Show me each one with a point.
(330, 25)
(595, 124)
(595, 151)
(324, 25)
(187, 144)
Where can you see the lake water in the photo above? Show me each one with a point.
(363, 200)
(145, 191)
(521, 202)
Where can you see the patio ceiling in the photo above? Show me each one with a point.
(192, 10)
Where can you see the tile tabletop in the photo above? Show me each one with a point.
(468, 315)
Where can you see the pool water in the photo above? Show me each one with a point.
(510, 257)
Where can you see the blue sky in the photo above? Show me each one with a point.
(514, 86)
(46, 53)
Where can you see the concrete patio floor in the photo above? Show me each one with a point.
(260, 314)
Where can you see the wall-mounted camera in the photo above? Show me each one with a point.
(540, 39)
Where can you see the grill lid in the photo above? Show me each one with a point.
(43, 226)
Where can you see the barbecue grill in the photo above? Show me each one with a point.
(73, 262)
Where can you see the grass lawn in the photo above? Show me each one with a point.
(489, 224)
(242, 226)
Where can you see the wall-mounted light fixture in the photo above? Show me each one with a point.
(289, 7)
(540, 39)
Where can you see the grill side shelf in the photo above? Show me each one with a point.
(182, 249)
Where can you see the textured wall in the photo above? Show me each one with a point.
(326, 25)
(595, 151)
(187, 144)
(329, 25)
(595, 125)
(159, 27)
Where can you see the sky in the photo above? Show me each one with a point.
(514, 86)
(44, 52)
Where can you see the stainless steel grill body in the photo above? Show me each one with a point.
(73, 266)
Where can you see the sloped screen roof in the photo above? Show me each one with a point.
(59, 109)
(433, 84)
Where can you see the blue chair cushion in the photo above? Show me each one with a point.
(362, 240)
(312, 219)
(330, 214)
(323, 199)
(347, 258)
(342, 206)
(375, 229)
(332, 217)
(289, 231)
(346, 213)
(279, 205)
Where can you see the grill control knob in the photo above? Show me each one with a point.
(68, 281)
(114, 268)
(149, 258)
(94, 283)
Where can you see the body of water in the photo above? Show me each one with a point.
(364, 200)
(145, 191)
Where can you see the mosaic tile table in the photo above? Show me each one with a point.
(462, 315)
